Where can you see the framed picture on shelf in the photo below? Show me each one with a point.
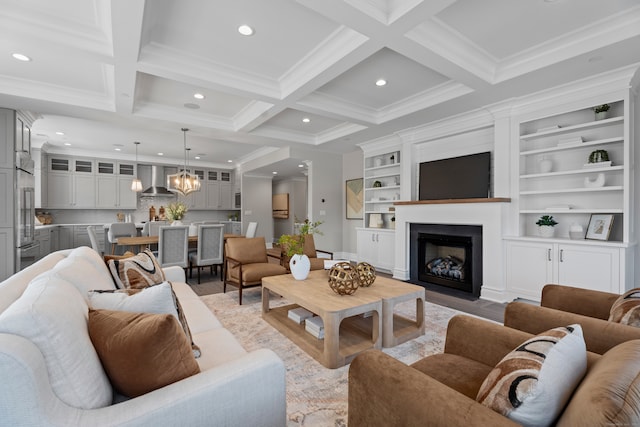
(355, 195)
(599, 226)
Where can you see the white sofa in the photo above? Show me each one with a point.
(234, 387)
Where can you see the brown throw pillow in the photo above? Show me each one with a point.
(159, 299)
(626, 309)
(138, 271)
(141, 352)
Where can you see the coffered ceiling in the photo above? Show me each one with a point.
(108, 73)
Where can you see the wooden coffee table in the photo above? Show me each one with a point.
(346, 333)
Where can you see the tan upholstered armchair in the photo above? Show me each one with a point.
(310, 251)
(565, 305)
(246, 263)
(440, 390)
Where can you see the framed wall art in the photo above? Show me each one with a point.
(599, 227)
(354, 194)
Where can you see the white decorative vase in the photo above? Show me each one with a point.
(545, 230)
(176, 222)
(545, 165)
(602, 115)
(299, 266)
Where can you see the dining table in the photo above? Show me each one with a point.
(143, 242)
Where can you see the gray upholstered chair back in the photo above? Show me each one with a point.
(121, 229)
(210, 241)
(93, 238)
(154, 227)
(251, 230)
(173, 246)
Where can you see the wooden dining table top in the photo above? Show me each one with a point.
(150, 240)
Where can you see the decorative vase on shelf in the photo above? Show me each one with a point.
(176, 222)
(545, 230)
(545, 165)
(299, 266)
(602, 115)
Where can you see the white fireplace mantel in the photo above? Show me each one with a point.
(488, 213)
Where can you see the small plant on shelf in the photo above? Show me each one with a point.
(598, 156)
(601, 108)
(546, 220)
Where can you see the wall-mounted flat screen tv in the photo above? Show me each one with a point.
(464, 177)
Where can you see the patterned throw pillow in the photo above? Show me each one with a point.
(532, 384)
(140, 352)
(136, 272)
(158, 299)
(626, 309)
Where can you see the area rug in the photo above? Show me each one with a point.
(316, 396)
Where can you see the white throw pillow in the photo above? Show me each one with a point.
(83, 271)
(53, 315)
(157, 299)
(532, 384)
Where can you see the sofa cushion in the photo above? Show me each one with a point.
(253, 273)
(53, 315)
(84, 269)
(609, 395)
(626, 309)
(138, 271)
(532, 384)
(158, 299)
(141, 352)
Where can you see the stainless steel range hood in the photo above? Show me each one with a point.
(157, 187)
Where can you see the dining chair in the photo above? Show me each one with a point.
(209, 248)
(93, 238)
(154, 226)
(173, 246)
(251, 230)
(120, 229)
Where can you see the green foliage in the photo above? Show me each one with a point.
(176, 211)
(601, 108)
(294, 243)
(546, 220)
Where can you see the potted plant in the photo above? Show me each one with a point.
(175, 212)
(293, 247)
(598, 156)
(546, 224)
(601, 111)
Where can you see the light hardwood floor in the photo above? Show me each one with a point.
(437, 295)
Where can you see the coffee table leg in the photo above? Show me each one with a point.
(332, 341)
(265, 300)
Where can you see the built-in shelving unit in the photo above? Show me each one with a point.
(555, 177)
(381, 189)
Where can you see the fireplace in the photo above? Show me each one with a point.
(447, 256)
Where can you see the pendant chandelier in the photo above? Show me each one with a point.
(136, 184)
(183, 182)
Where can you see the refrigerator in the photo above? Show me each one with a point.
(27, 249)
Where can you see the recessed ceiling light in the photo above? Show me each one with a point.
(118, 149)
(197, 157)
(21, 57)
(245, 30)
(301, 165)
(381, 82)
(306, 120)
(198, 96)
(68, 144)
(275, 173)
(160, 154)
(59, 133)
(229, 161)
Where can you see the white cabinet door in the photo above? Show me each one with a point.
(65, 237)
(225, 199)
(127, 199)
(106, 192)
(84, 191)
(60, 190)
(213, 195)
(529, 268)
(376, 248)
(590, 267)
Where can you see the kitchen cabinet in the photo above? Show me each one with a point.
(65, 237)
(70, 183)
(196, 200)
(218, 190)
(113, 185)
(43, 237)
(376, 247)
(531, 265)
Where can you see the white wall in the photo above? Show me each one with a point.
(352, 167)
(256, 205)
